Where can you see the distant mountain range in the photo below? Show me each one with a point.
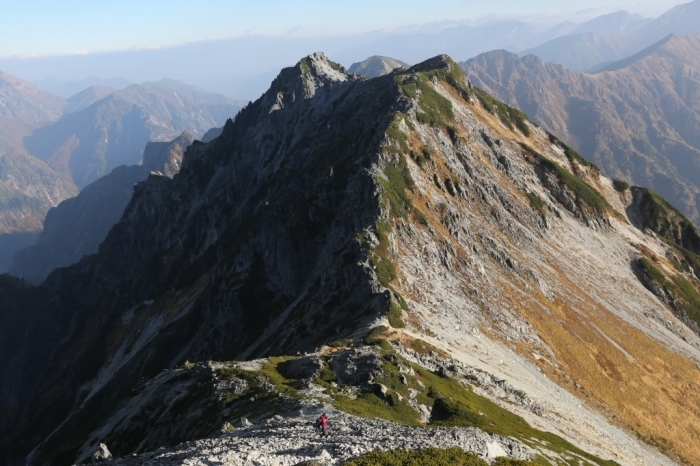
(67, 88)
(591, 48)
(251, 62)
(47, 142)
(376, 66)
(639, 120)
(114, 130)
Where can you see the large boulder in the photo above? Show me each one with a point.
(102, 454)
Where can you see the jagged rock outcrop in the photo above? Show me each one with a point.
(334, 204)
(77, 226)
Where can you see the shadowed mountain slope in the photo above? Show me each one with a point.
(113, 131)
(332, 205)
(78, 225)
(639, 122)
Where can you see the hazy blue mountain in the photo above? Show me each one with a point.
(212, 134)
(620, 22)
(114, 130)
(67, 88)
(640, 120)
(682, 19)
(582, 51)
(376, 66)
(613, 37)
(20, 99)
(28, 187)
(86, 98)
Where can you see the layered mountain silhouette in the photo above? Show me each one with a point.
(28, 187)
(77, 226)
(590, 49)
(112, 131)
(639, 121)
(85, 98)
(333, 204)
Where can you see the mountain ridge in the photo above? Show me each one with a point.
(334, 205)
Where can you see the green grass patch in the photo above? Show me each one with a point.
(538, 204)
(678, 288)
(621, 186)
(427, 457)
(584, 192)
(509, 116)
(669, 223)
(274, 369)
(385, 269)
(343, 343)
(436, 109)
(453, 404)
(395, 134)
(395, 315)
(327, 376)
(398, 180)
(571, 154)
(376, 335)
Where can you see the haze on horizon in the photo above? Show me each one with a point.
(42, 27)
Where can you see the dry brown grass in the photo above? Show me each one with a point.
(653, 391)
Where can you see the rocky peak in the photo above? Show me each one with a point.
(166, 157)
(303, 80)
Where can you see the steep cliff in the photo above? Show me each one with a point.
(334, 204)
(78, 225)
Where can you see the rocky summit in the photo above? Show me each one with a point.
(406, 253)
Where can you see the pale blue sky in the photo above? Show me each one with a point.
(46, 27)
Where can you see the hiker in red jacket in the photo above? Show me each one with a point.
(322, 425)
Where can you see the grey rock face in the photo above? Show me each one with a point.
(166, 157)
(357, 366)
(301, 149)
(304, 368)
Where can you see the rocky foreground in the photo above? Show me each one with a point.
(282, 441)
